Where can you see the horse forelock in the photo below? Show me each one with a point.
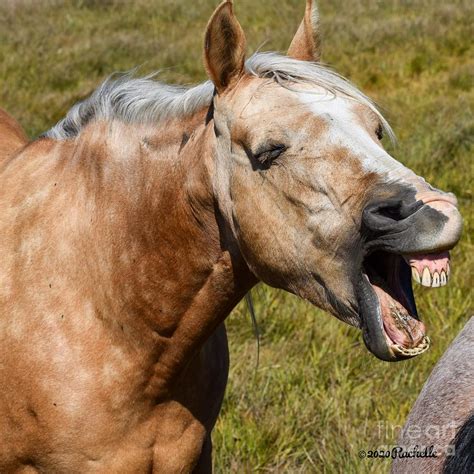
(145, 100)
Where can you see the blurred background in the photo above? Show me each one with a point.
(317, 396)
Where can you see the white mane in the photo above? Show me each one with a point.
(144, 100)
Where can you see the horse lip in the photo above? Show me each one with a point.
(426, 198)
(373, 331)
(371, 321)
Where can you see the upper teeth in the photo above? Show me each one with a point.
(443, 278)
(415, 275)
(433, 280)
(426, 278)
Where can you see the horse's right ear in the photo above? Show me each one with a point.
(224, 48)
(306, 44)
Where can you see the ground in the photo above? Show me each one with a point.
(317, 396)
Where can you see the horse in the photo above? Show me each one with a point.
(443, 414)
(133, 227)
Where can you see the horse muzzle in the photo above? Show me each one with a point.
(405, 240)
(424, 226)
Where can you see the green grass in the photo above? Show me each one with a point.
(318, 396)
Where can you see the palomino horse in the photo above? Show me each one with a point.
(133, 227)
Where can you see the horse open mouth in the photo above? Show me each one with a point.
(390, 323)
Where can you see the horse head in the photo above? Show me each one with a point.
(312, 199)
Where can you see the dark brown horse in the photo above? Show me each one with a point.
(133, 227)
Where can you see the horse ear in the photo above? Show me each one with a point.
(224, 47)
(306, 44)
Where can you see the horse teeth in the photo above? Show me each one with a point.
(415, 275)
(426, 277)
(448, 271)
(443, 278)
(420, 348)
(435, 281)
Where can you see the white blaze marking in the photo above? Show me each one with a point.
(346, 131)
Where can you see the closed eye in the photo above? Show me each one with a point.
(269, 153)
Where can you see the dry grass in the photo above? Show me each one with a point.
(317, 396)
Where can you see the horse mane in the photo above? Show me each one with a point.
(462, 461)
(145, 100)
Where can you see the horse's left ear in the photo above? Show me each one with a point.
(306, 44)
(224, 48)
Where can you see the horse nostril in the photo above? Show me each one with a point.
(392, 212)
(386, 214)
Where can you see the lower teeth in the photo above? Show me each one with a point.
(419, 349)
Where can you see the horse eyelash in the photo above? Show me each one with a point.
(270, 154)
(379, 132)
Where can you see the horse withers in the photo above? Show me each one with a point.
(133, 227)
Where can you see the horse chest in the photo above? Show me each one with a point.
(76, 397)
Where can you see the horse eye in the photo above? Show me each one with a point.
(379, 132)
(270, 153)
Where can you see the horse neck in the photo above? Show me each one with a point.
(173, 271)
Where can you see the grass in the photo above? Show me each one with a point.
(317, 396)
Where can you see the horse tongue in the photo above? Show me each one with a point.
(431, 269)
